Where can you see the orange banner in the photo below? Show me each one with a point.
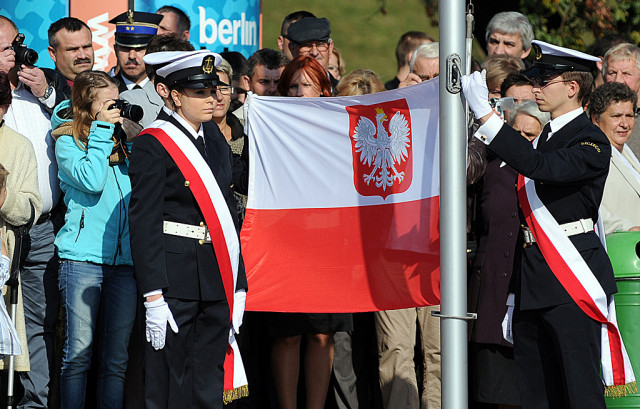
(97, 15)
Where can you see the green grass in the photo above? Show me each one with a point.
(365, 37)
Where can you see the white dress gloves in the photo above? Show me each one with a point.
(157, 317)
(239, 299)
(507, 322)
(474, 88)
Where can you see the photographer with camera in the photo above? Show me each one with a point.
(39, 273)
(96, 281)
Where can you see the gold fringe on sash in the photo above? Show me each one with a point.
(618, 391)
(237, 393)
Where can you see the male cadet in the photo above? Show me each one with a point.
(39, 275)
(134, 29)
(562, 270)
(510, 33)
(312, 37)
(407, 44)
(175, 22)
(396, 329)
(283, 41)
(620, 64)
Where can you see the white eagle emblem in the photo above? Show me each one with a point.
(381, 148)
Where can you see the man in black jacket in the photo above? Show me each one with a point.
(71, 49)
(556, 343)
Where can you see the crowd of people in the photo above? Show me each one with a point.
(124, 243)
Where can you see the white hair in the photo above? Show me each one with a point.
(529, 107)
(622, 51)
(427, 50)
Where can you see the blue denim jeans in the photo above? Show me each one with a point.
(98, 300)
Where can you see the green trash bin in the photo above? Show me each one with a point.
(624, 252)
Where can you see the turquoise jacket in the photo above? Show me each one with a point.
(96, 224)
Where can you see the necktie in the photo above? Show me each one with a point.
(544, 135)
(200, 145)
(137, 87)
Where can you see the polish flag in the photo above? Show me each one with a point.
(343, 210)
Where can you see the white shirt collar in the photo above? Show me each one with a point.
(188, 127)
(559, 122)
(130, 84)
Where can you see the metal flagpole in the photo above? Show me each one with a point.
(453, 215)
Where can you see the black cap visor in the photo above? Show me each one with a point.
(192, 78)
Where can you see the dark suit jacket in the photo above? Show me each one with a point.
(59, 83)
(496, 230)
(180, 266)
(569, 171)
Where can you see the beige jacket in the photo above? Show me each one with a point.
(18, 157)
(620, 206)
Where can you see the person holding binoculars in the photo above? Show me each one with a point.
(96, 281)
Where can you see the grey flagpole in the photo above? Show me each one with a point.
(453, 215)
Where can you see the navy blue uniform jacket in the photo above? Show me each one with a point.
(180, 266)
(569, 171)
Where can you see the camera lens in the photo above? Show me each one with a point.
(133, 112)
(26, 56)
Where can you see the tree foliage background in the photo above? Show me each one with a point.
(571, 23)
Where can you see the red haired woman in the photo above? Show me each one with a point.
(304, 77)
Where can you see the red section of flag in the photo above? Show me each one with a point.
(381, 143)
(346, 259)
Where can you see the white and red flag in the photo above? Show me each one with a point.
(343, 211)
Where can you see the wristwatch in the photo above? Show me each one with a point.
(47, 93)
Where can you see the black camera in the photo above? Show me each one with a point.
(24, 54)
(127, 110)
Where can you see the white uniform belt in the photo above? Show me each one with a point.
(187, 230)
(570, 229)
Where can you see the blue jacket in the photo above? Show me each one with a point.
(96, 225)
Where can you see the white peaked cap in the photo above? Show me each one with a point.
(165, 57)
(550, 60)
(191, 69)
(556, 50)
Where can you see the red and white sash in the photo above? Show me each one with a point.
(224, 237)
(576, 277)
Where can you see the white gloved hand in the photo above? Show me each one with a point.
(507, 322)
(239, 299)
(474, 88)
(158, 314)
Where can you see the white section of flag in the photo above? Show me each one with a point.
(279, 146)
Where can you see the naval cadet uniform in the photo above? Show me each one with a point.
(556, 345)
(188, 371)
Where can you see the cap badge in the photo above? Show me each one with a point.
(130, 17)
(538, 51)
(208, 64)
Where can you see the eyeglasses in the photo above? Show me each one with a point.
(322, 46)
(224, 89)
(544, 82)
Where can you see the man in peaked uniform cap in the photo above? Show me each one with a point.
(178, 273)
(134, 29)
(557, 345)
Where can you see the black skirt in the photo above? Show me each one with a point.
(288, 324)
(493, 374)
